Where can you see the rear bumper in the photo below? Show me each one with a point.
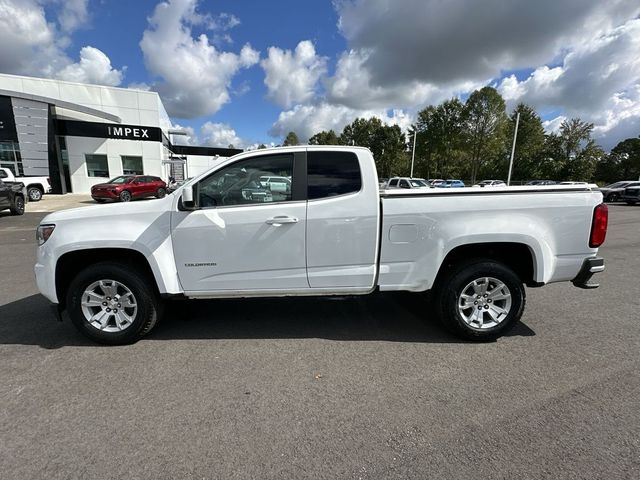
(590, 267)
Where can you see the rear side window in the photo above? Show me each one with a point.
(332, 173)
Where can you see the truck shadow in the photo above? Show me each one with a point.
(394, 317)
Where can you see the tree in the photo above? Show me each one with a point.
(261, 146)
(325, 138)
(530, 144)
(485, 120)
(291, 139)
(439, 138)
(386, 142)
(574, 152)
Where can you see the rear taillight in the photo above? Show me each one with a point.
(599, 225)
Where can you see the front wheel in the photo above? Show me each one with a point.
(612, 198)
(631, 202)
(125, 196)
(161, 193)
(110, 303)
(35, 194)
(480, 300)
(18, 206)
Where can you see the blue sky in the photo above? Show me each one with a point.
(248, 72)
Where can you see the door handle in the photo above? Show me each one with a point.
(280, 220)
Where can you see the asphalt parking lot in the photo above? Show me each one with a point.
(324, 388)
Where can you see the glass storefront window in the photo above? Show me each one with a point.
(131, 165)
(10, 157)
(97, 165)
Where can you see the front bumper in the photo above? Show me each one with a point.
(590, 267)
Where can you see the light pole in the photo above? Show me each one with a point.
(513, 148)
(413, 155)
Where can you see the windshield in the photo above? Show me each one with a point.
(617, 185)
(122, 179)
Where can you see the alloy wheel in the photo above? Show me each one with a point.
(109, 306)
(484, 303)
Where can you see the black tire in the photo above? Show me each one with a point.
(149, 305)
(161, 192)
(35, 194)
(613, 197)
(99, 200)
(631, 202)
(18, 206)
(125, 196)
(451, 286)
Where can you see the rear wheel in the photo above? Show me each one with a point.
(161, 192)
(125, 196)
(111, 303)
(18, 206)
(35, 194)
(479, 300)
(631, 202)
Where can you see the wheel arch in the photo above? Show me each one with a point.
(520, 257)
(71, 263)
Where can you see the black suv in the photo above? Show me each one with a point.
(12, 197)
(631, 195)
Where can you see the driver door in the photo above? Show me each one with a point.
(243, 237)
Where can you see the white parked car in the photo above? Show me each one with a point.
(276, 184)
(406, 182)
(573, 183)
(111, 266)
(36, 186)
(491, 183)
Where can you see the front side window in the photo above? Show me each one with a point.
(248, 182)
(131, 165)
(120, 180)
(97, 165)
(332, 173)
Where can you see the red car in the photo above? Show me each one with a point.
(128, 187)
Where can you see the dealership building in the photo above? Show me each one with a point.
(80, 135)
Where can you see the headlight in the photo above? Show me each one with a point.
(44, 232)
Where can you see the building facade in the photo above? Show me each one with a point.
(80, 135)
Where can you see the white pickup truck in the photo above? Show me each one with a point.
(36, 186)
(225, 234)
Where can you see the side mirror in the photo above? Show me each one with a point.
(187, 198)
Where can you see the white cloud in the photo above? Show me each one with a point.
(443, 42)
(32, 44)
(195, 75)
(307, 120)
(598, 81)
(291, 77)
(353, 87)
(219, 135)
(73, 14)
(553, 125)
(94, 67)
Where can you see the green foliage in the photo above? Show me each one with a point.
(325, 138)
(440, 139)
(529, 152)
(573, 152)
(623, 163)
(386, 142)
(485, 121)
(291, 139)
(473, 141)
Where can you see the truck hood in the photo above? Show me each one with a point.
(151, 206)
